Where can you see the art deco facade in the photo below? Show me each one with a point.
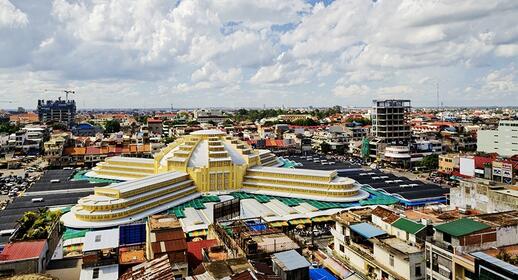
(206, 161)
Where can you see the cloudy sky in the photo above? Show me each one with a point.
(199, 53)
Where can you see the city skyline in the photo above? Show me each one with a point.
(193, 54)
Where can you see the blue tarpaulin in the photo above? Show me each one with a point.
(367, 230)
(320, 274)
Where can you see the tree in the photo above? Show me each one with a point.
(325, 147)
(7, 127)
(430, 162)
(112, 126)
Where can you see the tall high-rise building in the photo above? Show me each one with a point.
(57, 111)
(389, 124)
(503, 141)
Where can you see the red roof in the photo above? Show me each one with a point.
(154, 120)
(23, 250)
(480, 161)
(194, 250)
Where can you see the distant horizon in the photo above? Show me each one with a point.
(165, 109)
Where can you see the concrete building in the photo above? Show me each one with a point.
(389, 123)
(165, 237)
(503, 140)
(23, 257)
(373, 252)
(390, 127)
(484, 195)
(155, 126)
(209, 115)
(448, 253)
(60, 111)
(448, 163)
(100, 248)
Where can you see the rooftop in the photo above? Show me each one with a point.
(367, 230)
(399, 245)
(23, 250)
(308, 172)
(165, 221)
(385, 214)
(461, 227)
(146, 181)
(408, 225)
(509, 218)
(102, 239)
(290, 260)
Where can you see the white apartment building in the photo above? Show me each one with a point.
(503, 140)
(375, 253)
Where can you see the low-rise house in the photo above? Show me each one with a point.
(448, 254)
(290, 265)
(23, 257)
(373, 252)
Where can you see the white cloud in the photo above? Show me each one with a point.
(10, 16)
(230, 48)
(353, 90)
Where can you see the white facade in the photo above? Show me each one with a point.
(389, 258)
(503, 140)
(479, 194)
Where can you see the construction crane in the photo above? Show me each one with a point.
(6, 101)
(66, 91)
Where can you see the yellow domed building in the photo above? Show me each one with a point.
(206, 161)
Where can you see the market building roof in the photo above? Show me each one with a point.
(461, 227)
(408, 225)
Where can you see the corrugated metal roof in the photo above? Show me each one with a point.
(367, 230)
(22, 250)
(290, 260)
(408, 225)
(461, 227)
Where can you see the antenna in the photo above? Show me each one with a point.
(437, 92)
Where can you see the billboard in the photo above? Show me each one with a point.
(467, 166)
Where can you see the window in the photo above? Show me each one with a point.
(446, 237)
(95, 274)
(418, 270)
(342, 248)
(391, 260)
(98, 238)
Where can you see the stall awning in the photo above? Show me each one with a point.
(278, 224)
(300, 221)
(321, 219)
(196, 233)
